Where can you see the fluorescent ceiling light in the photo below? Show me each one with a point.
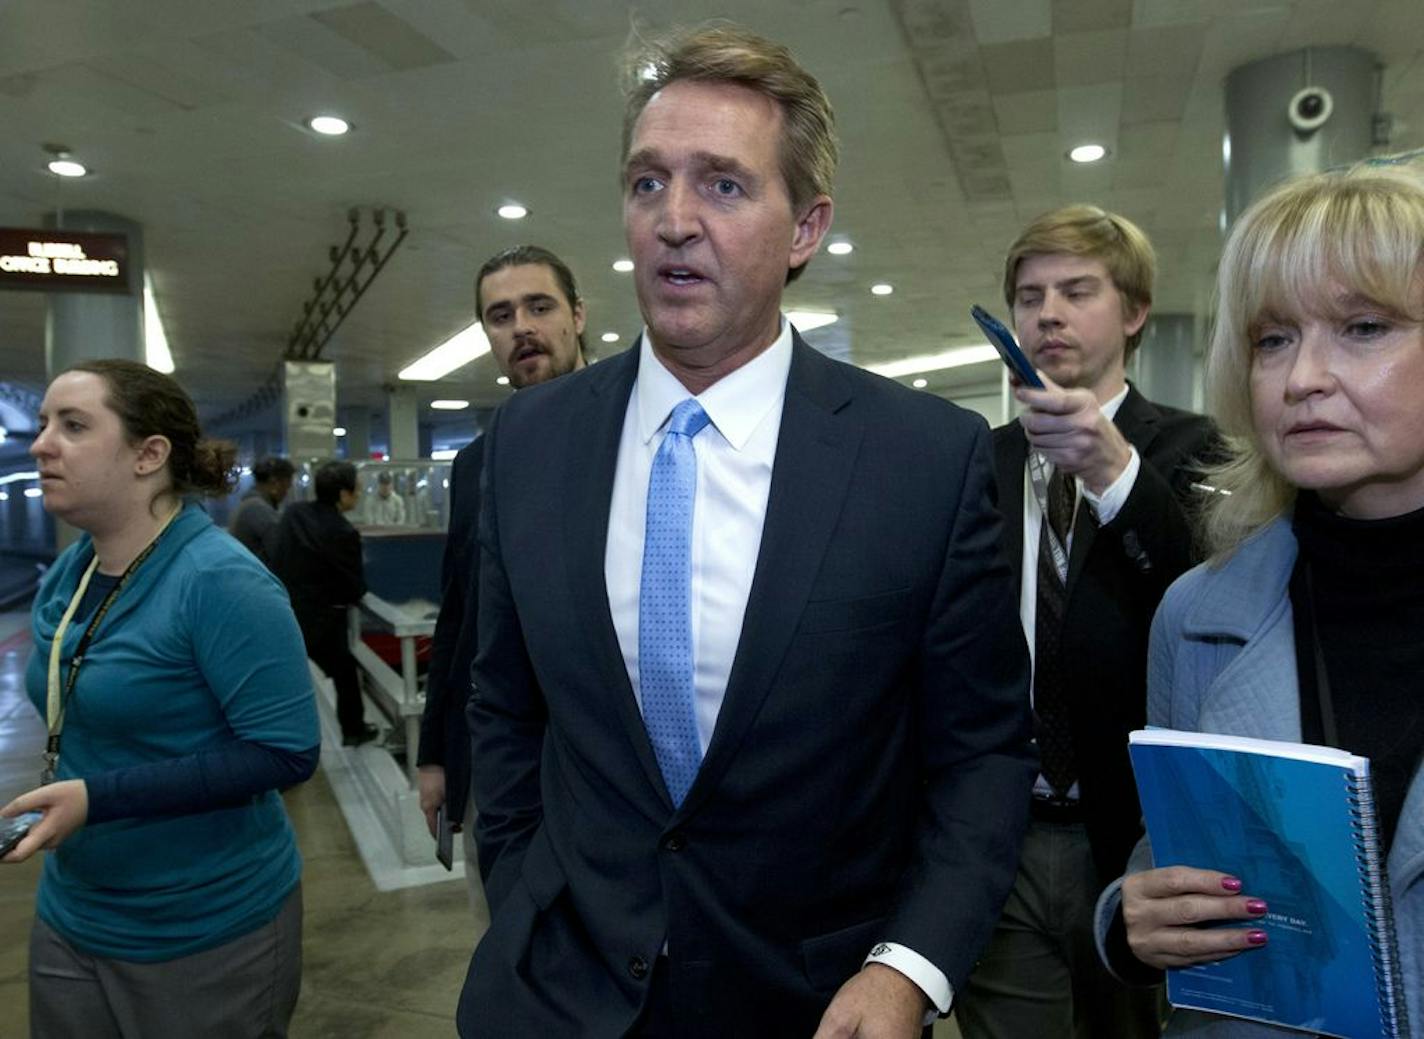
(67, 168)
(512, 211)
(459, 350)
(33, 492)
(444, 454)
(1087, 153)
(449, 405)
(17, 477)
(609, 337)
(920, 384)
(338, 431)
(806, 320)
(956, 358)
(882, 289)
(840, 248)
(503, 380)
(623, 266)
(155, 341)
(329, 125)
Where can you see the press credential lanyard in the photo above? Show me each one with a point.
(57, 703)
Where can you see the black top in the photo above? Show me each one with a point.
(1367, 579)
(317, 554)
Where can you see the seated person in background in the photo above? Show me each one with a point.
(1304, 625)
(317, 554)
(171, 673)
(386, 509)
(255, 520)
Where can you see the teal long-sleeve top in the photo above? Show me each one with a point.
(198, 665)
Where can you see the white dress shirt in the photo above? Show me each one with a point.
(1105, 506)
(735, 453)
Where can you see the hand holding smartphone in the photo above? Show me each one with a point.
(444, 839)
(13, 830)
(1003, 341)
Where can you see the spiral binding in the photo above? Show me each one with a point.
(1378, 905)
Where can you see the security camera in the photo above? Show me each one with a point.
(1310, 109)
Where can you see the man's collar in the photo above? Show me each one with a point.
(1109, 407)
(736, 403)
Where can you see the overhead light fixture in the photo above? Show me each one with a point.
(1087, 153)
(456, 352)
(956, 358)
(33, 492)
(623, 266)
(444, 454)
(155, 340)
(609, 337)
(512, 211)
(840, 248)
(329, 125)
(806, 320)
(338, 431)
(29, 474)
(67, 168)
(503, 380)
(4, 495)
(882, 289)
(449, 405)
(920, 384)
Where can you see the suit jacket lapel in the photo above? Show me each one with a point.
(815, 455)
(592, 434)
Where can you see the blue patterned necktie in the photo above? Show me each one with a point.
(665, 606)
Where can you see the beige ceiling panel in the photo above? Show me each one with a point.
(157, 71)
(1086, 58)
(1000, 21)
(1171, 51)
(1150, 99)
(1013, 67)
(1146, 13)
(1086, 15)
(315, 43)
(931, 23)
(1089, 113)
(1317, 25)
(1148, 142)
(1239, 38)
(1393, 33)
(1033, 150)
(1033, 111)
(393, 41)
(1141, 174)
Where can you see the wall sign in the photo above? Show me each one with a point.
(63, 261)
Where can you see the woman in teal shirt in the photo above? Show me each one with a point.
(171, 673)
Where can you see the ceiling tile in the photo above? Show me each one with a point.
(1168, 51)
(1032, 111)
(1000, 21)
(1089, 113)
(1148, 99)
(1086, 58)
(395, 42)
(1023, 65)
(1086, 15)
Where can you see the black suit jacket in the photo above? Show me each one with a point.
(1116, 576)
(316, 553)
(869, 773)
(444, 735)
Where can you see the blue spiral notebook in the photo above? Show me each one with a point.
(1296, 824)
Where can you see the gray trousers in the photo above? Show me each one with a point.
(1040, 975)
(244, 989)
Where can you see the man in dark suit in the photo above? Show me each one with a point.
(317, 554)
(1095, 482)
(533, 316)
(751, 742)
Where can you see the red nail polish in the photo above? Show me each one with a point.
(1256, 937)
(1255, 907)
(1231, 884)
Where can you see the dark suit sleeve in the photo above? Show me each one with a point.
(348, 572)
(979, 760)
(460, 545)
(506, 712)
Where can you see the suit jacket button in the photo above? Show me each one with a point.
(674, 842)
(638, 967)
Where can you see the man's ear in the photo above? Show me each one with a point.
(811, 227)
(153, 454)
(1134, 317)
(580, 316)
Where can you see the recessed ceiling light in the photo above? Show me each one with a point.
(1087, 153)
(512, 211)
(623, 266)
(840, 248)
(882, 289)
(503, 380)
(338, 431)
(920, 384)
(609, 337)
(329, 125)
(67, 168)
(449, 405)
(459, 350)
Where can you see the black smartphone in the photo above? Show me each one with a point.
(13, 830)
(444, 840)
(1003, 341)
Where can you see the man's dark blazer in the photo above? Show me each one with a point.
(1116, 576)
(869, 773)
(444, 735)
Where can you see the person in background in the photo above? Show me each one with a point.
(532, 314)
(317, 554)
(386, 509)
(1116, 471)
(1304, 624)
(171, 673)
(255, 520)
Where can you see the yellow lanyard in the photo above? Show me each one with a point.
(56, 700)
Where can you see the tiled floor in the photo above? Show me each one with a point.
(377, 965)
